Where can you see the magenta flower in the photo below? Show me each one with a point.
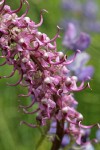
(42, 69)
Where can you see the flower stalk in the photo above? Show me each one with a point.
(59, 135)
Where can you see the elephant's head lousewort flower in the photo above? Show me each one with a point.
(42, 69)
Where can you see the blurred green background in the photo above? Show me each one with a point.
(16, 137)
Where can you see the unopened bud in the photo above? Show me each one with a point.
(61, 55)
(68, 81)
(47, 39)
(65, 110)
(24, 60)
(74, 78)
(46, 55)
(21, 40)
(27, 19)
(47, 80)
(80, 117)
(44, 101)
(39, 34)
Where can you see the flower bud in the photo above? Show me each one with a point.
(24, 60)
(61, 55)
(47, 80)
(39, 35)
(21, 40)
(74, 78)
(80, 117)
(68, 81)
(44, 101)
(46, 55)
(65, 110)
(27, 19)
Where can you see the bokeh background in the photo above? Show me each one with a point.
(16, 137)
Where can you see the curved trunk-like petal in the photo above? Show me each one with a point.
(28, 124)
(72, 60)
(13, 72)
(41, 19)
(17, 82)
(55, 37)
(3, 4)
(17, 10)
(33, 112)
(27, 95)
(29, 106)
(89, 126)
(3, 64)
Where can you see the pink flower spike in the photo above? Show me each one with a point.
(43, 70)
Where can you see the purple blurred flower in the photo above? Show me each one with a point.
(85, 136)
(86, 14)
(98, 135)
(90, 9)
(85, 73)
(91, 26)
(73, 40)
(79, 67)
(71, 5)
(65, 140)
(64, 23)
(88, 146)
(52, 129)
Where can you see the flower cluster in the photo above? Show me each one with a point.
(42, 70)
